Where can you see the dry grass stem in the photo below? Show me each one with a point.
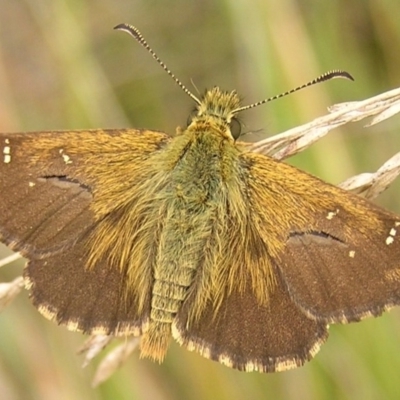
(297, 139)
(93, 346)
(10, 290)
(113, 360)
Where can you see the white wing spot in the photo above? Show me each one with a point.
(31, 184)
(332, 214)
(392, 234)
(7, 153)
(352, 253)
(397, 223)
(389, 240)
(65, 157)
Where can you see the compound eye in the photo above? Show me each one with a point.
(236, 128)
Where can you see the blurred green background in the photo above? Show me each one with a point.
(63, 67)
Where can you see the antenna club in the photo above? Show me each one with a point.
(129, 29)
(336, 73)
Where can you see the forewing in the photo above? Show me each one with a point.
(43, 209)
(342, 279)
(49, 182)
(338, 254)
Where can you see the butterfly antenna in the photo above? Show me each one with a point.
(322, 78)
(138, 36)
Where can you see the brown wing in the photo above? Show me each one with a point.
(55, 189)
(338, 254)
(91, 300)
(343, 279)
(247, 336)
(48, 181)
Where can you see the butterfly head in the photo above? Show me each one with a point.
(217, 109)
